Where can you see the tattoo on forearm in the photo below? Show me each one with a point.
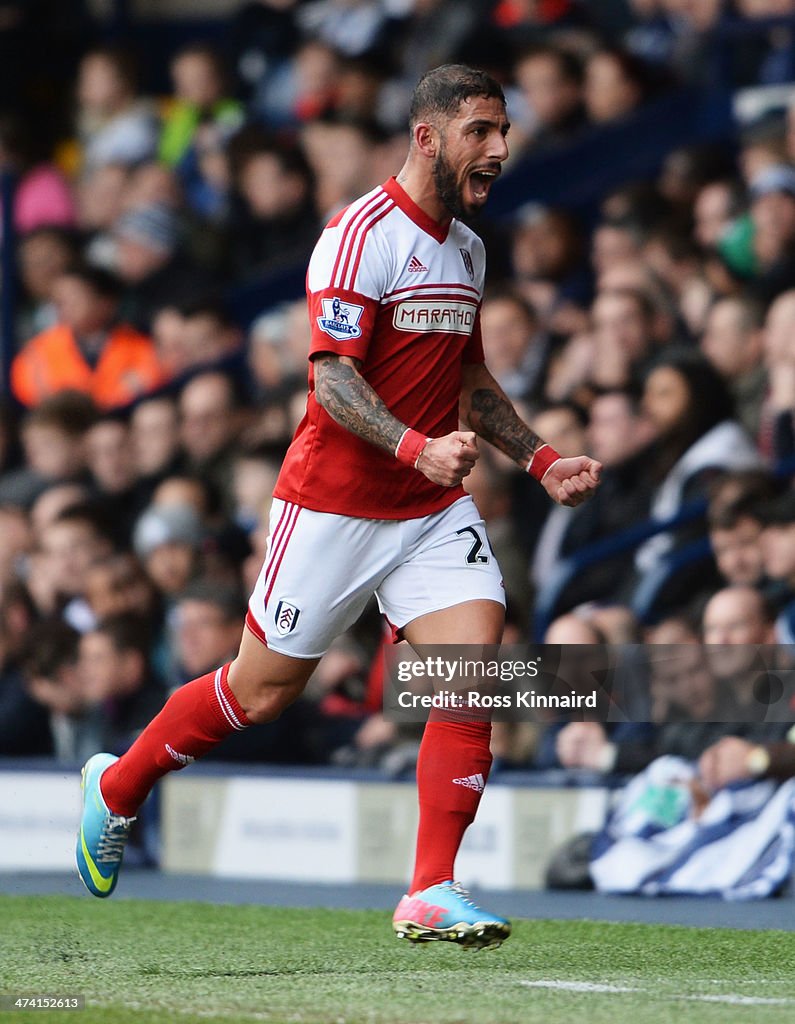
(348, 398)
(495, 419)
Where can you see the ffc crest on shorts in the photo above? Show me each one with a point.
(286, 617)
(340, 319)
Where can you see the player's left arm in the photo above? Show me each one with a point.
(489, 412)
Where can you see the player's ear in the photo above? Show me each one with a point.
(426, 139)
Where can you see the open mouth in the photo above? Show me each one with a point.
(481, 181)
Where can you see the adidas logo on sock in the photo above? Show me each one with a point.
(183, 759)
(415, 267)
(476, 782)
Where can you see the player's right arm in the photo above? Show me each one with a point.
(347, 397)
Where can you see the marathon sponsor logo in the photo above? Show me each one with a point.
(423, 315)
(340, 320)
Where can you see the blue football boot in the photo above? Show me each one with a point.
(103, 834)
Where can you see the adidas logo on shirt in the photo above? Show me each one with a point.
(416, 267)
(476, 782)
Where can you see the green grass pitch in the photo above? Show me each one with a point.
(192, 963)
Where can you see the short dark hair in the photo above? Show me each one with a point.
(73, 412)
(569, 64)
(126, 632)
(51, 645)
(506, 293)
(101, 282)
(124, 63)
(87, 514)
(442, 90)
(643, 303)
(228, 599)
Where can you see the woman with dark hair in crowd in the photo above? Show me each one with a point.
(697, 437)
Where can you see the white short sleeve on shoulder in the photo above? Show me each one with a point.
(351, 254)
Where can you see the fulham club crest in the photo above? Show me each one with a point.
(286, 617)
(466, 257)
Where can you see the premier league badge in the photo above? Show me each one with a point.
(340, 319)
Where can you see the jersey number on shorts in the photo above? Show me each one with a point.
(474, 555)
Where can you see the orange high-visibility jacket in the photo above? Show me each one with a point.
(52, 361)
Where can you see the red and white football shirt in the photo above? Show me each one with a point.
(393, 288)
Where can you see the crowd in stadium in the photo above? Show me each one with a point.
(147, 418)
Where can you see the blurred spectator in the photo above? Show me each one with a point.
(717, 205)
(207, 624)
(24, 723)
(225, 544)
(152, 264)
(777, 434)
(690, 409)
(200, 97)
(111, 463)
(44, 255)
(565, 422)
(114, 126)
(773, 216)
(263, 37)
(546, 255)
(57, 498)
(53, 679)
(551, 84)
(514, 351)
(778, 554)
(53, 443)
(117, 678)
(733, 343)
(87, 350)
(118, 586)
(16, 542)
(41, 196)
(615, 85)
(270, 357)
(208, 428)
(737, 616)
(67, 548)
(154, 426)
(277, 221)
(253, 479)
(338, 182)
(623, 323)
(208, 333)
(618, 436)
(153, 184)
(102, 194)
(734, 529)
(168, 334)
(167, 540)
(616, 243)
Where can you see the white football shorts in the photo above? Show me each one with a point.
(321, 569)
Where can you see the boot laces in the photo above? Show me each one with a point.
(112, 839)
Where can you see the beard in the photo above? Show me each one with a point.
(447, 187)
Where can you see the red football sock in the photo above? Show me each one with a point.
(452, 770)
(195, 719)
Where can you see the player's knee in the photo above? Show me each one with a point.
(269, 700)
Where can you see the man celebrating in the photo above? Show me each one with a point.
(369, 499)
